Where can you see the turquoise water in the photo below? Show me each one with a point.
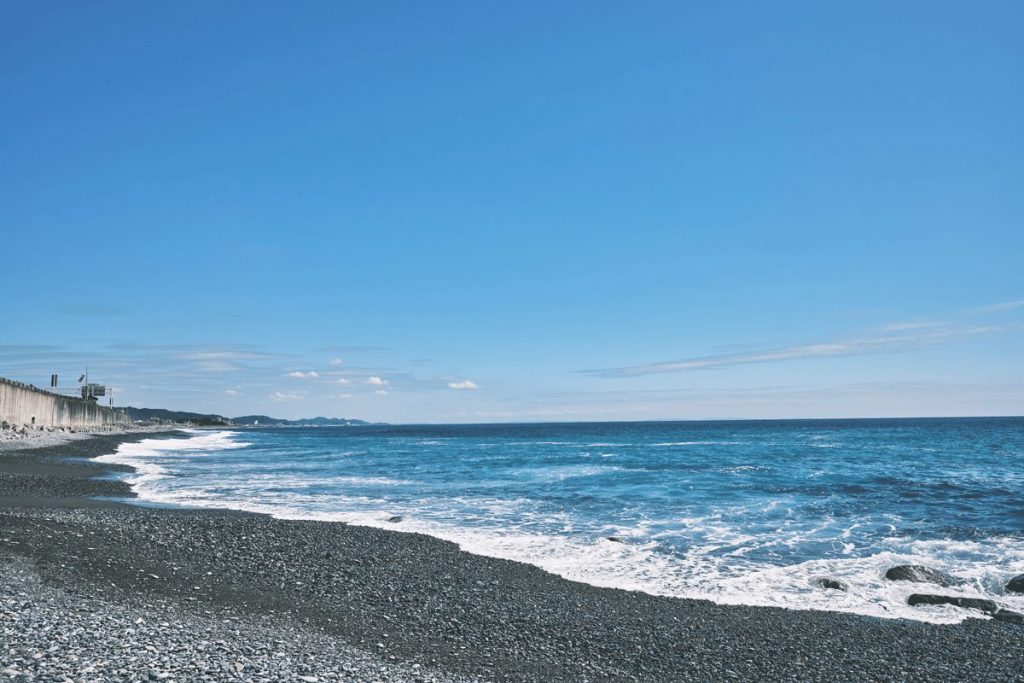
(736, 512)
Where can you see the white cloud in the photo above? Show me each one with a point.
(343, 381)
(285, 396)
(1000, 307)
(850, 347)
(337, 361)
(381, 392)
(232, 392)
(375, 381)
(465, 384)
(312, 374)
(912, 325)
(216, 366)
(900, 336)
(226, 355)
(340, 396)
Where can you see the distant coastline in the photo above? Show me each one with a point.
(164, 416)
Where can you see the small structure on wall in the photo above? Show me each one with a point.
(91, 392)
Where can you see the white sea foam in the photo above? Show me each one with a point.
(717, 566)
(299, 481)
(559, 473)
(740, 469)
(637, 565)
(145, 455)
(369, 481)
(671, 444)
(200, 442)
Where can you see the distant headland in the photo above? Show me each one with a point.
(162, 416)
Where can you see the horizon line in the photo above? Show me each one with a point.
(668, 419)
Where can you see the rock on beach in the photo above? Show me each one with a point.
(918, 573)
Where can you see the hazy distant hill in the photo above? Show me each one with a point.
(264, 420)
(171, 415)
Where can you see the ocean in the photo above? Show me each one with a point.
(737, 512)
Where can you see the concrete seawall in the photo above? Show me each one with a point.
(23, 404)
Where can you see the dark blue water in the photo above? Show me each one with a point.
(738, 512)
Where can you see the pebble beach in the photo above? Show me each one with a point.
(95, 589)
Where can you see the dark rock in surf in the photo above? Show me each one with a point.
(832, 584)
(1016, 585)
(986, 606)
(395, 520)
(919, 574)
(614, 539)
(1009, 616)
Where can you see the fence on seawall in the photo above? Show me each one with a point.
(24, 404)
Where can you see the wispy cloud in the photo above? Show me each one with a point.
(817, 399)
(912, 325)
(312, 374)
(28, 348)
(375, 381)
(343, 381)
(337, 361)
(1000, 307)
(465, 384)
(227, 355)
(286, 396)
(925, 336)
(216, 366)
(89, 310)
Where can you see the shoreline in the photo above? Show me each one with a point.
(20, 438)
(425, 608)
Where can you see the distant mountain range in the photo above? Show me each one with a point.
(245, 420)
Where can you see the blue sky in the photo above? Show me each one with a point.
(478, 211)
